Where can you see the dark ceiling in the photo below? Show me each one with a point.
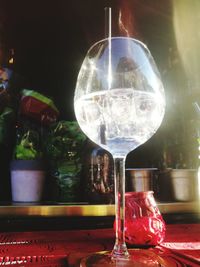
(50, 38)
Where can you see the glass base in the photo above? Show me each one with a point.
(137, 258)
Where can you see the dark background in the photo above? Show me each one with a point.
(51, 38)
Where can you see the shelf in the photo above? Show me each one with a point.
(52, 210)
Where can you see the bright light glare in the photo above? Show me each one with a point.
(186, 16)
(198, 182)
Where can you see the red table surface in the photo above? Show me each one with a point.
(64, 248)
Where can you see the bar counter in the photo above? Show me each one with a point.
(66, 248)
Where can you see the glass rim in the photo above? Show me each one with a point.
(119, 37)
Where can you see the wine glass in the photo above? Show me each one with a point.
(119, 104)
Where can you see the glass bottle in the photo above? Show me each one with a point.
(99, 176)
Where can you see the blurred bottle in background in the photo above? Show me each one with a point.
(98, 175)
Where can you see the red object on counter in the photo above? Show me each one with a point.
(144, 225)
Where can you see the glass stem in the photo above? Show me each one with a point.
(120, 249)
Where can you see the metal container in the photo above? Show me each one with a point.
(178, 185)
(139, 180)
(184, 182)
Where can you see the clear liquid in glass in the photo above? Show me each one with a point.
(119, 120)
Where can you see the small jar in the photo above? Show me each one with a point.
(144, 225)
